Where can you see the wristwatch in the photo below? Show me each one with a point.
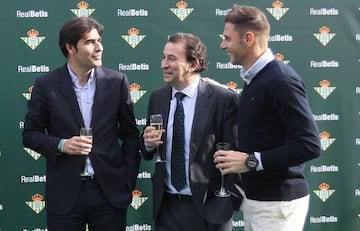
(251, 162)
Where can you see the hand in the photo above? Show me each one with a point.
(211, 81)
(152, 137)
(230, 161)
(77, 145)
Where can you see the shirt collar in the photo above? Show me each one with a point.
(190, 90)
(262, 61)
(75, 79)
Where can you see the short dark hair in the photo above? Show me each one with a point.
(194, 48)
(247, 18)
(75, 29)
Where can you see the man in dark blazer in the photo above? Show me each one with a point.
(84, 94)
(210, 117)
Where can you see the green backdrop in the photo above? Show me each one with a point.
(320, 39)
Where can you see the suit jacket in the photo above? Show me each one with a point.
(214, 121)
(53, 114)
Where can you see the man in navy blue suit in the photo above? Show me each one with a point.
(277, 132)
(210, 117)
(88, 180)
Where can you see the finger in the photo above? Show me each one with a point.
(225, 171)
(220, 159)
(219, 153)
(149, 139)
(159, 142)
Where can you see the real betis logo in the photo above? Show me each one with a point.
(325, 140)
(324, 193)
(137, 200)
(27, 95)
(37, 204)
(33, 41)
(133, 38)
(233, 86)
(324, 90)
(280, 57)
(277, 12)
(181, 11)
(82, 9)
(32, 153)
(325, 36)
(136, 93)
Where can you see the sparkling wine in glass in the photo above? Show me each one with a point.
(87, 133)
(222, 192)
(157, 122)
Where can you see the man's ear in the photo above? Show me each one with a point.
(249, 38)
(70, 48)
(194, 65)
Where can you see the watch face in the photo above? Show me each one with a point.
(252, 162)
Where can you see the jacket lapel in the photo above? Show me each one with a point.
(163, 109)
(203, 107)
(67, 89)
(166, 108)
(99, 97)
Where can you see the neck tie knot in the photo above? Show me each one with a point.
(179, 96)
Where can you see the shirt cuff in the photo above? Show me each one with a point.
(60, 146)
(148, 149)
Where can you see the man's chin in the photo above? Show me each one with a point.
(232, 61)
(166, 80)
(97, 64)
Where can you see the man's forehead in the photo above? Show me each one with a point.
(178, 47)
(91, 34)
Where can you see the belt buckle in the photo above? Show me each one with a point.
(87, 177)
(181, 197)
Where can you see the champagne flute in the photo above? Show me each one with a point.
(157, 122)
(222, 192)
(87, 133)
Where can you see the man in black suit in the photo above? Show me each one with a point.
(88, 180)
(277, 131)
(210, 117)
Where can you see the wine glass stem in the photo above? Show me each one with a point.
(157, 153)
(222, 183)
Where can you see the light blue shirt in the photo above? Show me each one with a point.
(263, 60)
(189, 103)
(248, 75)
(85, 97)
